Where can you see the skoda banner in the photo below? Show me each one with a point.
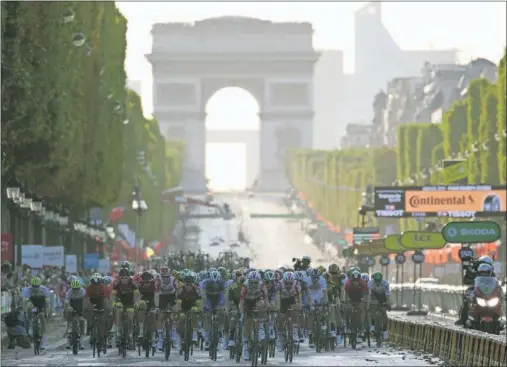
(414, 240)
(471, 232)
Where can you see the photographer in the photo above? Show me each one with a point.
(302, 264)
(468, 280)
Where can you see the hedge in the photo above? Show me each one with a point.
(333, 180)
(64, 110)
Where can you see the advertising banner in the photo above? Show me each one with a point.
(377, 247)
(104, 266)
(471, 232)
(7, 247)
(393, 244)
(32, 255)
(53, 256)
(71, 263)
(414, 240)
(441, 201)
(362, 234)
(91, 261)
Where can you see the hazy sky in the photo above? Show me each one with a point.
(476, 28)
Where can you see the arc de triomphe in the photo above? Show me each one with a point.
(273, 61)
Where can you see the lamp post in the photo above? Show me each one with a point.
(139, 207)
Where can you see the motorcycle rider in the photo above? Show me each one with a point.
(468, 279)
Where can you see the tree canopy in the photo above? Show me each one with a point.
(333, 180)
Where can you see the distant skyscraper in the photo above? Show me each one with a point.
(135, 85)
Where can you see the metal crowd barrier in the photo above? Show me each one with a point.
(440, 298)
(459, 346)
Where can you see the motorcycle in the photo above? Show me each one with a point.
(485, 310)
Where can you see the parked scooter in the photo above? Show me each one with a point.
(485, 310)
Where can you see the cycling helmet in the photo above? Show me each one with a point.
(365, 277)
(214, 276)
(315, 273)
(95, 279)
(190, 278)
(147, 275)
(356, 275)
(306, 258)
(222, 271)
(322, 269)
(484, 268)
(377, 276)
(125, 265)
(254, 276)
(269, 276)
(75, 284)
(300, 275)
(164, 271)
(97, 275)
(210, 270)
(106, 280)
(289, 277)
(36, 282)
(485, 260)
(333, 268)
(342, 276)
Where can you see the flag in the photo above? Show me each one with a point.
(116, 213)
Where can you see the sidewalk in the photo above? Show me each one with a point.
(54, 336)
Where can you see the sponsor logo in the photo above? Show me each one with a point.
(416, 201)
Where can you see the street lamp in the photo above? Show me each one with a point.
(68, 16)
(78, 40)
(139, 206)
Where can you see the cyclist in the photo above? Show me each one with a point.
(273, 288)
(290, 298)
(213, 299)
(147, 289)
(166, 300)
(356, 289)
(189, 296)
(379, 297)
(74, 303)
(253, 297)
(97, 296)
(232, 306)
(337, 290)
(317, 295)
(125, 295)
(334, 303)
(37, 297)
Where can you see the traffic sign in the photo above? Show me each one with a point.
(384, 260)
(371, 262)
(471, 232)
(414, 240)
(465, 253)
(400, 259)
(418, 257)
(392, 243)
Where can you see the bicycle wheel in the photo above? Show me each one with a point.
(167, 340)
(75, 336)
(36, 339)
(92, 339)
(378, 330)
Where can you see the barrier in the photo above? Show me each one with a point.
(442, 298)
(460, 347)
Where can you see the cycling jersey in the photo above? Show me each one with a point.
(356, 289)
(36, 295)
(75, 299)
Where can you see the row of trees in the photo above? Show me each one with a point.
(71, 129)
(473, 127)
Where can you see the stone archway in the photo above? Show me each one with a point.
(273, 61)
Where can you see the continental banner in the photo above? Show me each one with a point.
(392, 243)
(415, 240)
